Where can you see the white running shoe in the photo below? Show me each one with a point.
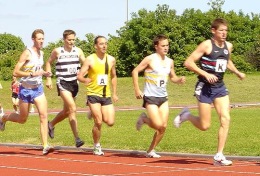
(152, 154)
(89, 115)
(182, 117)
(140, 121)
(220, 160)
(47, 149)
(2, 124)
(97, 151)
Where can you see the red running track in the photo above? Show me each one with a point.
(21, 161)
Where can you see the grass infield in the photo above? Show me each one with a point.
(243, 137)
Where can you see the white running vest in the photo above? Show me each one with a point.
(156, 80)
(35, 64)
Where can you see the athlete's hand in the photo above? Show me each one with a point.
(211, 78)
(139, 94)
(241, 75)
(49, 84)
(182, 80)
(87, 81)
(115, 98)
(47, 74)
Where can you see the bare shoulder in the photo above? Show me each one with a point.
(206, 43)
(90, 57)
(26, 54)
(205, 47)
(229, 45)
(149, 58)
(112, 58)
(55, 52)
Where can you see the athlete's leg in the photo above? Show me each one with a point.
(63, 114)
(95, 109)
(108, 114)
(222, 105)
(69, 110)
(158, 117)
(203, 121)
(41, 105)
(18, 118)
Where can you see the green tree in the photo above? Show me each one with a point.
(9, 42)
(216, 5)
(10, 50)
(7, 63)
(135, 39)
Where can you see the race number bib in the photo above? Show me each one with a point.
(102, 80)
(221, 65)
(72, 70)
(161, 82)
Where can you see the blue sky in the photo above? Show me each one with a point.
(101, 17)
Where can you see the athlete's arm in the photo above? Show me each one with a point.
(81, 56)
(231, 66)
(173, 77)
(84, 71)
(114, 79)
(53, 57)
(25, 57)
(195, 56)
(143, 65)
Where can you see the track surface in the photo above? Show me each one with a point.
(28, 161)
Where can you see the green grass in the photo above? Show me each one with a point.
(243, 137)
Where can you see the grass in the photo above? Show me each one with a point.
(243, 137)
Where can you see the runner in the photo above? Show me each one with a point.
(68, 61)
(157, 67)
(213, 56)
(100, 68)
(29, 69)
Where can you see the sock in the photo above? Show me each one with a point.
(97, 145)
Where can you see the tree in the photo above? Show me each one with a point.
(10, 50)
(216, 5)
(9, 42)
(7, 63)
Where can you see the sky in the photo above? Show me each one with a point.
(100, 17)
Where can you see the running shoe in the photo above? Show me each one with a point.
(152, 154)
(182, 117)
(220, 160)
(140, 121)
(2, 124)
(89, 115)
(79, 143)
(47, 149)
(51, 130)
(97, 151)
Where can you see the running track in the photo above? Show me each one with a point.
(26, 160)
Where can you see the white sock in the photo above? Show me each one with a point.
(97, 145)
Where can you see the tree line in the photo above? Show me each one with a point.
(134, 40)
